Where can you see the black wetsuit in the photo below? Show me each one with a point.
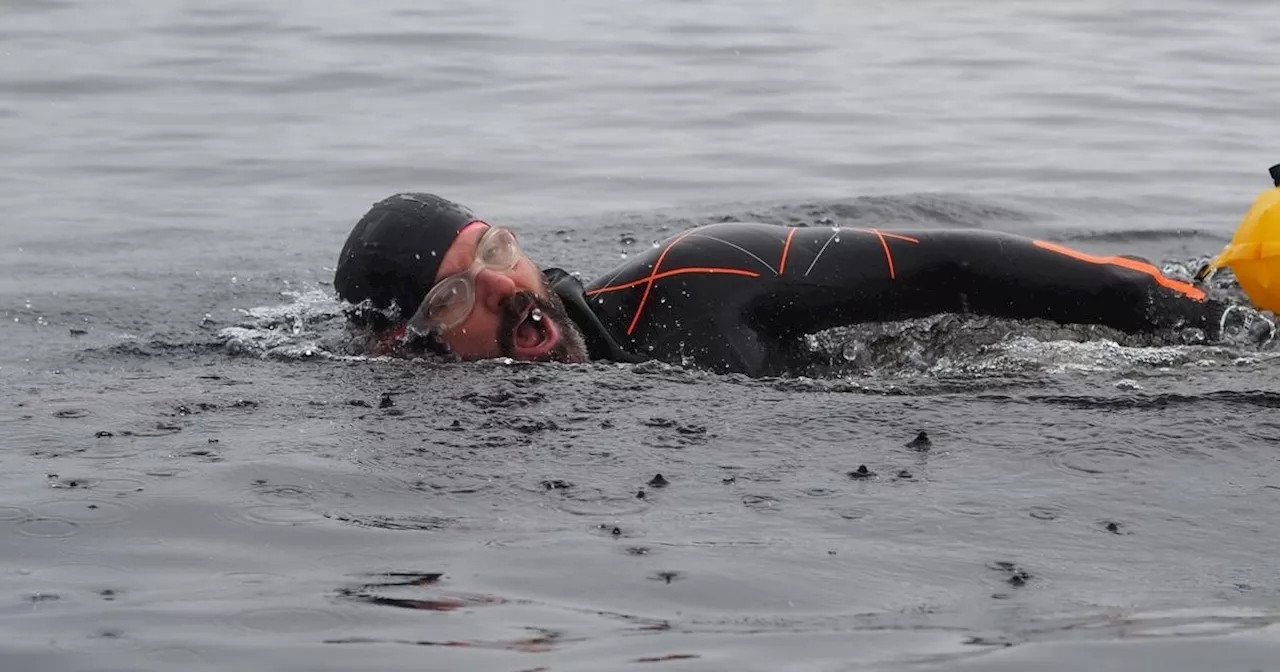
(736, 296)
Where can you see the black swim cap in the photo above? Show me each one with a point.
(394, 251)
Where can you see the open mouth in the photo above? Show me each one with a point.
(535, 335)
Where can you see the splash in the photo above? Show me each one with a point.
(952, 346)
(311, 326)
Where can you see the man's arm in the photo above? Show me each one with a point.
(842, 276)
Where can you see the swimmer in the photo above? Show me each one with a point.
(729, 297)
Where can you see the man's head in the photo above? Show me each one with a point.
(452, 274)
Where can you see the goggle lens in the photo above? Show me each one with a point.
(450, 302)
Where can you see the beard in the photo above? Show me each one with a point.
(570, 347)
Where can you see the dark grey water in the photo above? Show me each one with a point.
(195, 472)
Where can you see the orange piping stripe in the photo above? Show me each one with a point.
(1130, 264)
(658, 264)
(675, 271)
(782, 265)
(895, 236)
(888, 256)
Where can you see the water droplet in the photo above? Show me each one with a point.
(536, 315)
(624, 255)
(433, 253)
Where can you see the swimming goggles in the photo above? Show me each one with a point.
(451, 300)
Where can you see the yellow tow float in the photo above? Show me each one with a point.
(1254, 252)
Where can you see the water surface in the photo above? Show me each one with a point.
(196, 473)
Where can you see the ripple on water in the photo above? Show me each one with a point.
(589, 501)
(1047, 512)
(46, 527)
(295, 493)
(852, 512)
(354, 562)
(414, 523)
(13, 513)
(176, 655)
(87, 574)
(100, 484)
(972, 508)
(290, 620)
(118, 485)
(257, 579)
(109, 449)
(86, 511)
(1101, 460)
(761, 503)
(271, 515)
(103, 639)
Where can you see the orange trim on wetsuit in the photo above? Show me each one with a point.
(888, 256)
(653, 277)
(674, 271)
(786, 247)
(1191, 291)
